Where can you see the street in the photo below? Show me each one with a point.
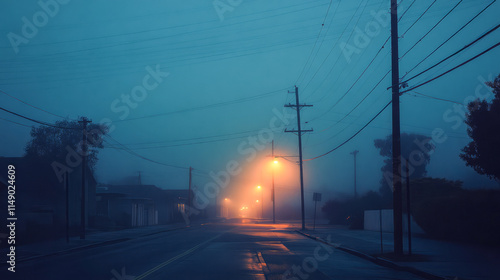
(234, 249)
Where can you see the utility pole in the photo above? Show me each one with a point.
(299, 132)
(66, 183)
(140, 179)
(189, 192)
(84, 123)
(396, 136)
(355, 191)
(408, 206)
(272, 175)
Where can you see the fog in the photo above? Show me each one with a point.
(187, 84)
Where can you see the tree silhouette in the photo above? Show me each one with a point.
(416, 151)
(483, 121)
(54, 143)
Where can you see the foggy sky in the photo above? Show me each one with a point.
(89, 54)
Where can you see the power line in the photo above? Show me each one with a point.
(315, 42)
(35, 121)
(334, 46)
(436, 98)
(356, 81)
(449, 38)
(142, 157)
(185, 144)
(33, 106)
(16, 123)
(364, 71)
(191, 139)
(354, 135)
(214, 105)
(418, 19)
(453, 54)
(452, 69)
(359, 103)
(430, 30)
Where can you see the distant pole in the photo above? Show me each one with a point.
(272, 178)
(262, 203)
(314, 220)
(381, 236)
(189, 191)
(84, 123)
(408, 210)
(299, 132)
(396, 135)
(66, 183)
(354, 154)
(140, 179)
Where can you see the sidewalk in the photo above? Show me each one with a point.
(445, 260)
(29, 251)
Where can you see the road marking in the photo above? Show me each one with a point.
(147, 273)
(263, 264)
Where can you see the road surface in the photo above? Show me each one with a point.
(235, 249)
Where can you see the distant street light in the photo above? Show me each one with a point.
(262, 200)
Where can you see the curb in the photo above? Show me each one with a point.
(93, 245)
(377, 260)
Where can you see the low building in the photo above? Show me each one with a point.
(46, 207)
(122, 206)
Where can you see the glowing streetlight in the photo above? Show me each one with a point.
(257, 201)
(261, 199)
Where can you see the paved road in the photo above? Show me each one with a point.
(237, 249)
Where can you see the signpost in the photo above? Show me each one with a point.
(316, 198)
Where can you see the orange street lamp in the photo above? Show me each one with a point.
(261, 199)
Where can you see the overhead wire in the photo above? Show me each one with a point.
(454, 54)
(352, 137)
(213, 105)
(34, 120)
(452, 69)
(449, 38)
(33, 106)
(430, 30)
(124, 148)
(316, 41)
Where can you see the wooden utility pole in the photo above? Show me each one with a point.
(408, 206)
(354, 153)
(189, 192)
(66, 183)
(299, 132)
(396, 136)
(84, 123)
(272, 175)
